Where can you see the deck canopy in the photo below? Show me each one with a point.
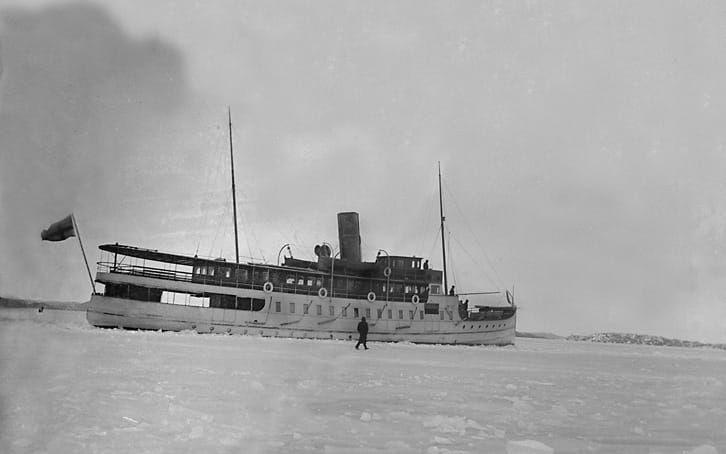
(150, 254)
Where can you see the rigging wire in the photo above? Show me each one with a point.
(476, 240)
(220, 223)
(429, 216)
(205, 202)
(451, 257)
(473, 259)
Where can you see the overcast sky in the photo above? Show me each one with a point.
(581, 143)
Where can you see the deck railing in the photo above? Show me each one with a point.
(186, 276)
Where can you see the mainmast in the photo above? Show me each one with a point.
(443, 243)
(234, 192)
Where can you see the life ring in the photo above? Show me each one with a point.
(414, 299)
(371, 297)
(268, 287)
(387, 271)
(323, 292)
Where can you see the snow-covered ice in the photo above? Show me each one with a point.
(68, 387)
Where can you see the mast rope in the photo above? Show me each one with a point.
(451, 257)
(476, 240)
(473, 259)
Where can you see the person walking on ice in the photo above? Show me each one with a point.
(362, 333)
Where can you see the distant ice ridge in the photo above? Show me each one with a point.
(641, 339)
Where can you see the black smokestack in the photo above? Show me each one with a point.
(349, 236)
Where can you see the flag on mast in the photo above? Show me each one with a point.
(59, 231)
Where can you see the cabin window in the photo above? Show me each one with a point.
(319, 282)
(203, 270)
(301, 281)
(290, 280)
(292, 308)
(310, 282)
(451, 315)
(441, 315)
(198, 270)
(421, 315)
(355, 312)
(319, 309)
(368, 312)
(242, 275)
(400, 314)
(408, 289)
(305, 308)
(390, 313)
(380, 313)
(278, 306)
(246, 304)
(431, 308)
(410, 315)
(332, 311)
(227, 273)
(344, 312)
(211, 271)
(435, 289)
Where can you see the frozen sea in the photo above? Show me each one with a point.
(66, 387)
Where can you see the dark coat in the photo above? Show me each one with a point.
(363, 328)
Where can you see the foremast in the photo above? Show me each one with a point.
(234, 192)
(443, 242)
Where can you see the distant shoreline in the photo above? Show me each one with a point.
(18, 303)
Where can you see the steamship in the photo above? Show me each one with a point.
(400, 297)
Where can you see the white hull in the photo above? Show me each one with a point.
(107, 311)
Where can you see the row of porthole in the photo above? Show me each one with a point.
(487, 326)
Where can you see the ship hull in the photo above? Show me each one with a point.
(111, 312)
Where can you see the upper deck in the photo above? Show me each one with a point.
(394, 278)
